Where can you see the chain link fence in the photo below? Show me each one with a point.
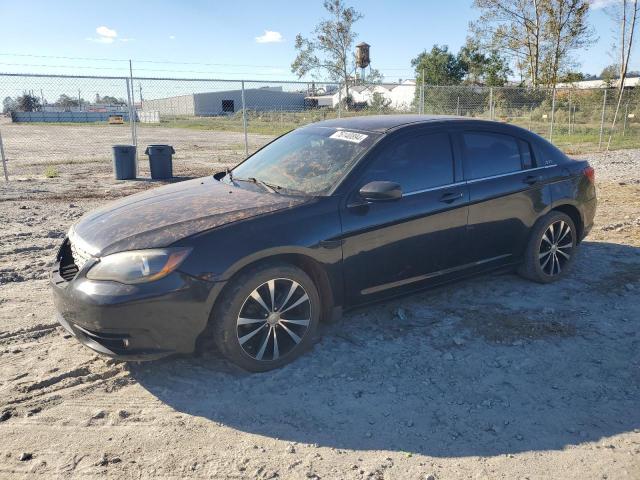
(54, 123)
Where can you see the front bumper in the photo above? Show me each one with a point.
(134, 322)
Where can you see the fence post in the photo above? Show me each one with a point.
(131, 125)
(570, 111)
(491, 103)
(458, 106)
(339, 101)
(4, 160)
(604, 107)
(244, 123)
(530, 116)
(421, 107)
(132, 115)
(553, 112)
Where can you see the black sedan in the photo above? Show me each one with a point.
(328, 217)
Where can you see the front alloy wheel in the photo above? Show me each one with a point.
(273, 319)
(266, 316)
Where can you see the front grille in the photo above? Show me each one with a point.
(71, 259)
(68, 272)
(80, 257)
(66, 266)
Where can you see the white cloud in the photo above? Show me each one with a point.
(106, 32)
(106, 35)
(172, 37)
(599, 4)
(270, 37)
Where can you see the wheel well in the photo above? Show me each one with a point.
(310, 267)
(574, 213)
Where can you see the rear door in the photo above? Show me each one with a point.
(396, 245)
(507, 193)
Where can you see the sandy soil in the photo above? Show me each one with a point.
(494, 377)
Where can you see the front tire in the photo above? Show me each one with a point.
(267, 317)
(551, 248)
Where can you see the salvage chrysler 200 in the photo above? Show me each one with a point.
(330, 216)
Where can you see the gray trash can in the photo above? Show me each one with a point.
(160, 161)
(124, 162)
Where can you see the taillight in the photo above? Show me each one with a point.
(590, 173)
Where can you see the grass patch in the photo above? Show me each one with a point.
(51, 172)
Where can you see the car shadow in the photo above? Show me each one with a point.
(491, 365)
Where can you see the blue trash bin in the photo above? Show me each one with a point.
(124, 162)
(160, 161)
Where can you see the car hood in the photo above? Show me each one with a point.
(157, 218)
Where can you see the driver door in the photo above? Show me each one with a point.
(398, 245)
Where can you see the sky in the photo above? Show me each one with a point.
(251, 39)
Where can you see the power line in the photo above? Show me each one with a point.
(136, 69)
(171, 62)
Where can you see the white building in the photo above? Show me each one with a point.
(227, 102)
(629, 82)
(400, 95)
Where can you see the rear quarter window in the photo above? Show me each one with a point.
(488, 154)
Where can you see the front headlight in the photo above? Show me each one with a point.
(138, 266)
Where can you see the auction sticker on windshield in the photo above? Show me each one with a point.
(349, 136)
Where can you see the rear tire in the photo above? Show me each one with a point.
(551, 248)
(267, 316)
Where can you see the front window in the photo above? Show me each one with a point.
(309, 160)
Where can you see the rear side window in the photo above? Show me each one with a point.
(416, 163)
(489, 154)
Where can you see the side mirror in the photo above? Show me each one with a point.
(381, 191)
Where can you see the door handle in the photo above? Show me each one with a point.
(451, 197)
(532, 179)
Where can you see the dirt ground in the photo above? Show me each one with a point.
(494, 377)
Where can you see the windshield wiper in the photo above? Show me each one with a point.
(269, 186)
(229, 175)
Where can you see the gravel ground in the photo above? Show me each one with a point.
(494, 377)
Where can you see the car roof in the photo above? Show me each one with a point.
(384, 123)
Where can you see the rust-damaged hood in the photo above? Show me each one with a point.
(159, 217)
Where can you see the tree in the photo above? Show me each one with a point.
(374, 76)
(538, 35)
(572, 77)
(379, 102)
(27, 103)
(566, 30)
(491, 70)
(439, 67)
(67, 102)
(609, 74)
(626, 14)
(111, 100)
(330, 47)
(513, 27)
(9, 105)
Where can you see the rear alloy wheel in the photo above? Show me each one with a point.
(267, 316)
(556, 248)
(273, 319)
(551, 248)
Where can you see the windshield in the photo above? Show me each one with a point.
(309, 160)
